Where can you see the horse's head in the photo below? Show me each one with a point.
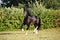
(26, 12)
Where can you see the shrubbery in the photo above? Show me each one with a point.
(48, 16)
(10, 18)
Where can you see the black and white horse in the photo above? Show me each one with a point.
(28, 19)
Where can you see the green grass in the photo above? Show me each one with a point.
(48, 34)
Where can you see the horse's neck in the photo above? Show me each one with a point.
(29, 14)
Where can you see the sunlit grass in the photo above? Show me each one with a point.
(47, 34)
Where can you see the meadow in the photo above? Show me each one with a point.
(47, 34)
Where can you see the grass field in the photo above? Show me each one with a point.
(46, 34)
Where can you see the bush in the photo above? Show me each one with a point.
(10, 18)
(47, 15)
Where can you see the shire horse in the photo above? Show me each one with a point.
(28, 19)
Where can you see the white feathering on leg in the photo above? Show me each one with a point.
(35, 30)
(26, 33)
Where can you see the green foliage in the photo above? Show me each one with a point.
(55, 4)
(47, 15)
(10, 18)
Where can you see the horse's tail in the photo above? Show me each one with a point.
(39, 24)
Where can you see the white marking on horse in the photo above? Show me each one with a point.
(35, 30)
(22, 29)
(26, 33)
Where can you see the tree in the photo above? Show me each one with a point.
(55, 4)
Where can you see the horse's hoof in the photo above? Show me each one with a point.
(26, 33)
(33, 32)
(36, 32)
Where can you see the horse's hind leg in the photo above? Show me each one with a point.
(21, 27)
(27, 27)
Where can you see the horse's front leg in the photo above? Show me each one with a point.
(35, 30)
(21, 27)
